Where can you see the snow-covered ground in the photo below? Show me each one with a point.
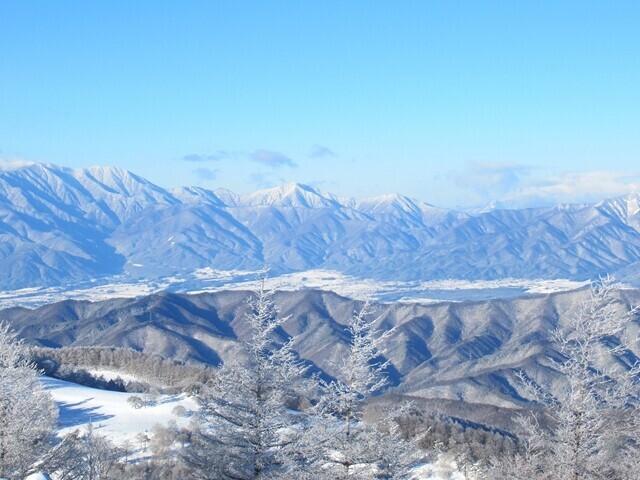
(443, 469)
(112, 375)
(211, 280)
(38, 476)
(110, 413)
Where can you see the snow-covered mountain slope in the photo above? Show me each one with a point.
(405, 212)
(60, 225)
(468, 351)
(163, 241)
(111, 415)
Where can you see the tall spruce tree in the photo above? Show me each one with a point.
(338, 443)
(243, 422)
(592, 427)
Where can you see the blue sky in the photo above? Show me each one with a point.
(454, 102)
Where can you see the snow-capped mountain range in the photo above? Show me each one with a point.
(61, 225)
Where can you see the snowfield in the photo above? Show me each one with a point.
(112, 375)
(110, 413)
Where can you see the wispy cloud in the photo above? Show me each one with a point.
(521, 186)
(318, 151)
(10, 163)
(272, 159)
(484, 182)
(576, 187)
(268, 158)
(502, 175)
(212, 157)
(205, 174)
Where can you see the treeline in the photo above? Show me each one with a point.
(438, 432)
(152, 372)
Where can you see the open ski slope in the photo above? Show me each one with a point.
(109, 412)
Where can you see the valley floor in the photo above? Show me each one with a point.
(211, 280)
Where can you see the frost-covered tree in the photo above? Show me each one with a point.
(243, 421)
(591, 429)
(86, 455)
(27, 412)
(340, 444)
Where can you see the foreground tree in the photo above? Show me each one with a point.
(244, 423)
(27, 413)
(340, 444)
(86, 455)
(592, 428)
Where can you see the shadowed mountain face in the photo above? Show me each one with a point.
(60, 225)
(457, 351)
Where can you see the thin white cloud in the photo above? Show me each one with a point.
(575, 187)
(485, 182)
(268, 158)
(520, 186)
(504, 175)
(319, 151)
(210, 157)
(272, 159)
(8, 164)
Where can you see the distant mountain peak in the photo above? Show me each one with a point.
(625, 207)
(493, 205)
(405, 210)
(111, 176)
(393, 200)
(291, 195)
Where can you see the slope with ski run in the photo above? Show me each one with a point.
(63, 226)
(110, 415)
